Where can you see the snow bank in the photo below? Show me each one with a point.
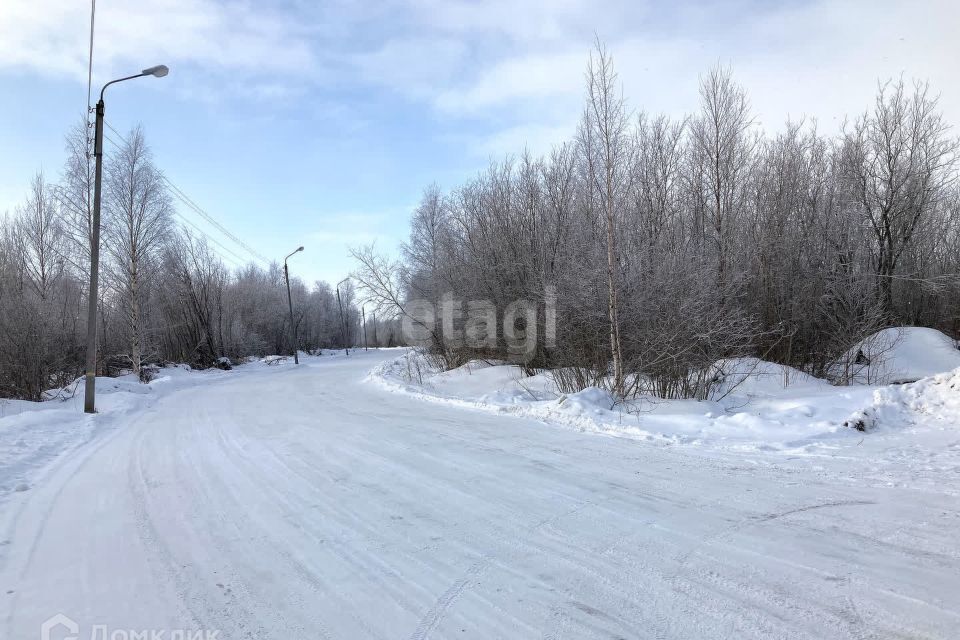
(761, 405)
(898, 355)
(756, 377)
(935, 398)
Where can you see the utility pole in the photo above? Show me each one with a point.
(293, 327)
(343, 324)
(90, 383)
(363, 313)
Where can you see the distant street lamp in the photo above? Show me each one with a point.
(293, 327)
(91, 374)
(363, 312)
(343, 324)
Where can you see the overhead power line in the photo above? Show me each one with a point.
(193, 206)
(206, 216)
(235, 260)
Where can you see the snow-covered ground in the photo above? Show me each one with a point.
(320, 501)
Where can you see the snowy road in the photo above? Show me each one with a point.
(304, 503)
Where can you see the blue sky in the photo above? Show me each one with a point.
(320, 123)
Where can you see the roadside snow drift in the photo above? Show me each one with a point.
(756, 405)
(759, 405)
(934, 399)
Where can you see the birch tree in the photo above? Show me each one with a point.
(720, 156)
(606, 139)
(138, 222)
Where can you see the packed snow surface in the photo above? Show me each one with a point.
(283, 501)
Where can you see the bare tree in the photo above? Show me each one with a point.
(720, 157)
(898, 163)
(138, 222)
(37, 313)
(75, 196)
(41, 238)
(383, 285)
(606, 137)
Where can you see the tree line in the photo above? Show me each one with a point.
(677, 242)
(165, 293)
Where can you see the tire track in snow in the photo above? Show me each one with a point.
(87, 451)
(680, 578)
(751, 521)
(453, 593)
(432, 618)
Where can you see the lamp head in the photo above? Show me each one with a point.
(158, 71)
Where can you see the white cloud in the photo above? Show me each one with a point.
(505, 23)
(52, 36)
(825, 60)
(491, 78)
(414, 65)
(511, 68)
(530, 76)
(821, 60)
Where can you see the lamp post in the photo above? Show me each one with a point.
(343, 325)
(363, 312)
(89, 398)
(293, 327)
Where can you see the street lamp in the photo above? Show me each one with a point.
(293, 327)
(91, 374)
(343, 324)
(363, 314)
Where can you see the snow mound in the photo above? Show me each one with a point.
(756, 377)
(898, 355)
(933, 398)
(478, 381)
(479, 378)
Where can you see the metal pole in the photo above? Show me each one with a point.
(343, 326)
(293, 327)
(363, 312)
(90, 388)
